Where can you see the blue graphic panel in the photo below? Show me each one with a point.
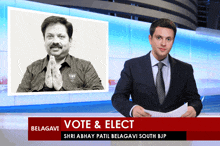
(182, 45)
(139, 38)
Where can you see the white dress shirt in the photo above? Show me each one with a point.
(166, 71)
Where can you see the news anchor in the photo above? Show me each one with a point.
(157, 81)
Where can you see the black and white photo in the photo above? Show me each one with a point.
(70, 54)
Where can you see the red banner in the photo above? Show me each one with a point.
(44, 128)
(92, 128)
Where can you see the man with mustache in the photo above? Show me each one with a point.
(59, 71)
(157, 81)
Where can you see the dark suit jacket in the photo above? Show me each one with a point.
(137, 80)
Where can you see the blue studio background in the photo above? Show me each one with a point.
(127, 39)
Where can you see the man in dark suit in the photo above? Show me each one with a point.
(157, 81)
